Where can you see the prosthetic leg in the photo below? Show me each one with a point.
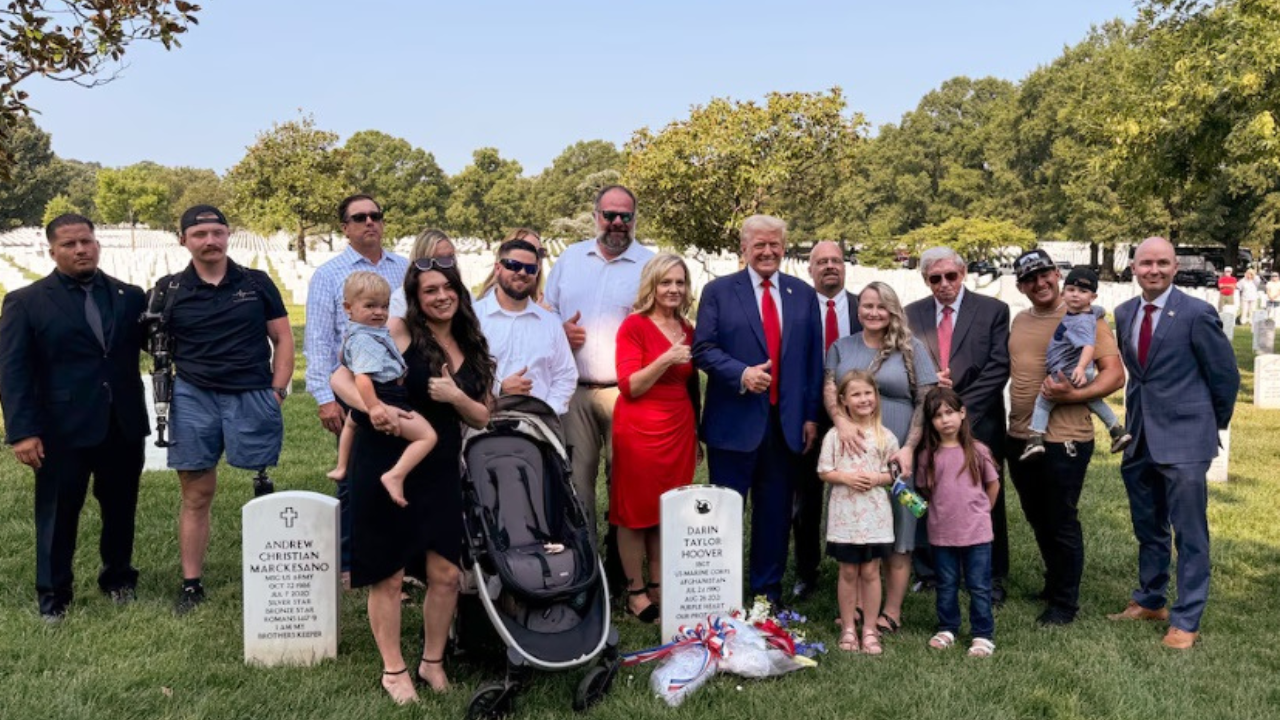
(262, 484)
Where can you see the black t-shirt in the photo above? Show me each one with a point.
(220, 331)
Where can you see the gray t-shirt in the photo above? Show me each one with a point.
(1077, 330)
(896, 404)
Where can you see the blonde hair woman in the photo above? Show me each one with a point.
(904, 374)
(655, 422)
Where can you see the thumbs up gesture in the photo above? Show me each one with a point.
(677, 354)
(576, 334)
(516, 383)
(444, 389)
(757, 379)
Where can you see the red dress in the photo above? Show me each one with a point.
(654, 435)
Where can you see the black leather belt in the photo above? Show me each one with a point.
(597, 386)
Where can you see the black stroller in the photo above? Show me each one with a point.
(530, 557)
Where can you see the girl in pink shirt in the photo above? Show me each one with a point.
(962, 480)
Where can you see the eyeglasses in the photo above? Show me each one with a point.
(516, 266)
(950, 277)
(441, 263)
(361, 217)
(610, 216)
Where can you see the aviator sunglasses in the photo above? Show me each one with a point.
(361, 217)
(610, 216)
(443, 263)
(516, 266)
(950, 277)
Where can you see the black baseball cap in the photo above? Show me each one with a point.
(1031, 262)
(199, 214)
(1083, 278)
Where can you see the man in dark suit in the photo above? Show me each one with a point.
(968, 336)
(73, 407)
(1182, 390)
(760, 342)
(838, 310)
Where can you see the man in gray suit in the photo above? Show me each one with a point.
(1182, 389)
(838, 309)
(968, 336)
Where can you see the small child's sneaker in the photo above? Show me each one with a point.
(1035, 446)
(1120, 438)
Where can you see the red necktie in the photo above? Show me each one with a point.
(772, 338)
(944, 337)
(833, 327)
(1144, 334)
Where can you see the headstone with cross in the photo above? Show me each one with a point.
(292, 578)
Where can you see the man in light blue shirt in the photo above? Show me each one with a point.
(592, 287)
(363, 224)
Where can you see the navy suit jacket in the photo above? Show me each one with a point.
(979, 357)
(1187, 390)
(57, 382)
(730, 337)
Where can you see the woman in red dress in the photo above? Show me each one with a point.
(655, 426)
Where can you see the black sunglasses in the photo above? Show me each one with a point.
(951, 277)
(516, 266)
(610, 216)
(361, 217)
(442, 263)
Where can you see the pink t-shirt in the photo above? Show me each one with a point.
(959, 510)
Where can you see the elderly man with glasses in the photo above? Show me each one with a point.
(967, 334)
(362, 223)
(526, 340)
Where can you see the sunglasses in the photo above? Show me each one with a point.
(439, 263)
(361, 217)
(950, 277)
(516, 266)
(610, 216)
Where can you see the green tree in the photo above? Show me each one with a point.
(290, 178)
(33, 175)
(567, 188)
(406, 181)
(134, 194)
(59, 205)
(77, 41)
(195, 186)
(976, 238)
(79, 182)
(700, 178)
(489, 197)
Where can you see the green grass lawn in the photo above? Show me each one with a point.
(143, 662)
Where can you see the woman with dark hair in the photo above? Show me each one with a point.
(430, 243)
(449, 376)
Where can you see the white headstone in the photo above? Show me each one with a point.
(701, 554)
(292, 578)
(1218, 468)
(1266, 381)
(1264, 343)
(1228, 317)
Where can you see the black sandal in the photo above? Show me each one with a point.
(650, 615)
(889, 626)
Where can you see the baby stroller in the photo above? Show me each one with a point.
(530, 556)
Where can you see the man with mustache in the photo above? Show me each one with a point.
(592, 287)
(225, 321)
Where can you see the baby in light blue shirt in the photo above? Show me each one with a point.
(370, 353)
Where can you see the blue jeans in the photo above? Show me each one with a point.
(976, 562)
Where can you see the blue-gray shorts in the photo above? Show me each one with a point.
(248, 424)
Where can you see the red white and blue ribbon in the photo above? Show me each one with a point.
(709, 637)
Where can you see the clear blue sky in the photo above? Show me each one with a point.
(532, 77)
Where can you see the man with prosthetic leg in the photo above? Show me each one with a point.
(232, 350)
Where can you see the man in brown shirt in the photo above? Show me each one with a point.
(1049, 484)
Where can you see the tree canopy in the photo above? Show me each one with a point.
(406, 180)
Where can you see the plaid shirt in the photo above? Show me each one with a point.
(326, 320)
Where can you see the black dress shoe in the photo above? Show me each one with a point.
(53, 617)
(1053, 617)
(122, 595)
(803, 590)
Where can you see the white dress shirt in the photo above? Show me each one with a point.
(955, 309)
(584, 281)
(841, 306)
(531, 338)
(774, 291)
(1160, 301)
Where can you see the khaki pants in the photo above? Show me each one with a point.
(588, 428)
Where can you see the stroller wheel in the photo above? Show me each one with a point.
(594, 686)
(490, 703)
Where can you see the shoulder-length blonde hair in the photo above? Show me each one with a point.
(654, 270)
(424, 246)
(897, 335)
(520, 233)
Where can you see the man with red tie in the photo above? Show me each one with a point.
(759, 340)
(1182, 390)
(967, 334)
(1049, 484)
(838, 309)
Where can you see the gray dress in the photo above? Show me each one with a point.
(896, 405)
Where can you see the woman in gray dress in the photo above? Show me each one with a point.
(904, 373)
